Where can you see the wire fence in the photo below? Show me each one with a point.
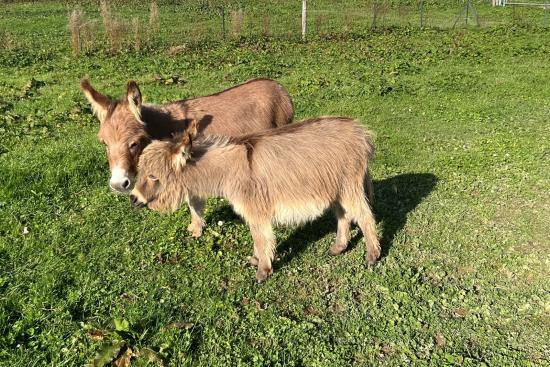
(324, 18)
(126, 24)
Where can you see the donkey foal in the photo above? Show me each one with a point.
(288, 176)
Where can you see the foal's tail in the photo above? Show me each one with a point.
(369, 187)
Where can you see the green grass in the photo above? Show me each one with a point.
(462, 200)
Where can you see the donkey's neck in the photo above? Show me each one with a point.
(162, 121)
(217, 170)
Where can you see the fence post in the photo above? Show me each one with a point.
(304, 19)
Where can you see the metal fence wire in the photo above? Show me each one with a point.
(180, 23)
(234, 19)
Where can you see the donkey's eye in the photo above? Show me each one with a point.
(133, 145)
(152, 177)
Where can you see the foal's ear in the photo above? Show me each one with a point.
(182, 149)
(100, 103)
(133, 95)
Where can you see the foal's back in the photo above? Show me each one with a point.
(304, 167)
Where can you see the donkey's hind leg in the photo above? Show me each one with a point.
(342, 233)
(196, 207)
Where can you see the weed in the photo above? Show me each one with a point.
(379, 10)
(236, 18)
(77, 21)
(116, 28)
(176, 50)
(106, 16)
(266, 26)
(136, 30)
(7, 41)
(320, 22)
(154, 20)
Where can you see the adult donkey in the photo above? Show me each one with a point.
(127, 125)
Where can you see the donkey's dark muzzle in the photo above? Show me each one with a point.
(136, 203)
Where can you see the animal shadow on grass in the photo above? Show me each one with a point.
(395, 197)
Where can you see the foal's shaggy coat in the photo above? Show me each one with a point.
(289, 175)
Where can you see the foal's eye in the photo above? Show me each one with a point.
(133, 145)
(154, 178)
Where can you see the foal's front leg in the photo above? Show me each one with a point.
(253, 260)
(196, 207)
(264, 249)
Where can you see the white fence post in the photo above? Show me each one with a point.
(304, 19)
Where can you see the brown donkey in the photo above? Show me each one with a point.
(289, 175)
(128, 125)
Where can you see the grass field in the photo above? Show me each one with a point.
(462, 181)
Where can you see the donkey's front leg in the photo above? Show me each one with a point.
(264, 248)
(196, 207)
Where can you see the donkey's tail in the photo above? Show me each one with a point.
(284, 109)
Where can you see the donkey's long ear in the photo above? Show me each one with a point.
(100, 103)
(182, 149)
(133, 95)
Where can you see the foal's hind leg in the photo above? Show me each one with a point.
(358, 209)
(365, 220)
(196, 207)
(342, 233)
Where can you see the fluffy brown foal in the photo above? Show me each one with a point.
(284, 176)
